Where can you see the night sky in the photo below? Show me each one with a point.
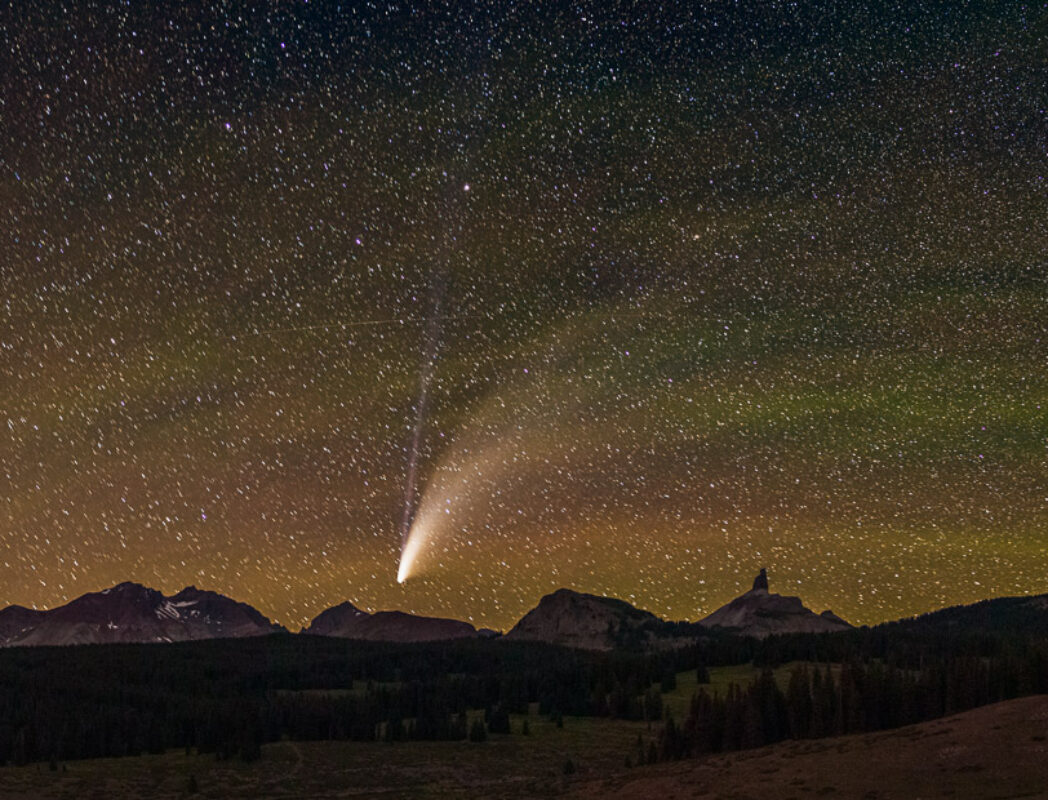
(645, 298)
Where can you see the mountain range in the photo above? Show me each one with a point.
(130, 612)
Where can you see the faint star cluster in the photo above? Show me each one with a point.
(722, 286)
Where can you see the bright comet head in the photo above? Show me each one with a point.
(409, 552)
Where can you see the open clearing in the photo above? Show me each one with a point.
(503, 766)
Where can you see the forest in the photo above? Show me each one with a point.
(227, 698)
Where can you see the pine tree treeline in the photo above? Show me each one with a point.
(227, 698)
(857, 697)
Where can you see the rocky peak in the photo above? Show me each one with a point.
(127, 586)
(131, 612)
(349, 622)
(760, 613)
(761, 581)
(331, 621)
(582, 620)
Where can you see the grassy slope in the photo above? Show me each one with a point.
(994, 751)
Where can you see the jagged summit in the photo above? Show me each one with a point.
(761, 581)
(760, 613)
(127, 586)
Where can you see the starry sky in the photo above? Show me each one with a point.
(647, 296)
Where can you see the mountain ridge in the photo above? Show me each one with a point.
(587, 621)
(761, 613)
(347, 621)
(132, 612)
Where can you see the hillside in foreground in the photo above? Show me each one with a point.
(993, 751)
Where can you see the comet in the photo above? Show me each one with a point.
(504, 438)
(454, 488)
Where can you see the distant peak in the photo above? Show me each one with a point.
(564, 592)
(760, 613)
(761, 581)
(127, 589)
(188, 592)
